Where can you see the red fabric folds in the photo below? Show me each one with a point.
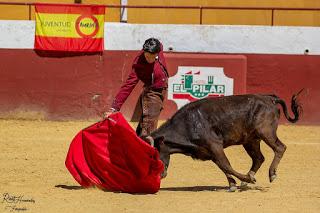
(111, 156)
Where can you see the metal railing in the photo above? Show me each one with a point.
(200, 8)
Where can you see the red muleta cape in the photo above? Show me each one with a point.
(111, 156)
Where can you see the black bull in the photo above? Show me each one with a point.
(202, 129)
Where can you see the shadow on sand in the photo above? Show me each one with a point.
(214, 188)
(69, 187)
(185, 189)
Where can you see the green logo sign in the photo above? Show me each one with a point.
(193, 83)
(198, 90)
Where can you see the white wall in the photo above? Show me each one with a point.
(186, 38)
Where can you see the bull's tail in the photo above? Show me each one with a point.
(295, 107)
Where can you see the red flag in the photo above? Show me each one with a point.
(69, 27)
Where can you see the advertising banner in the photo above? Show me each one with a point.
(193, 83)
(78, 28)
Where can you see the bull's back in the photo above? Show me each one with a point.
(231, 118)
(226, 108)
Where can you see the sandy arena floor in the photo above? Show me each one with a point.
(32, 166)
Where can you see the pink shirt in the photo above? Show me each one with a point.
(152, 75)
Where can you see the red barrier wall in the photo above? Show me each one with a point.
(65, 87)
(285, 75)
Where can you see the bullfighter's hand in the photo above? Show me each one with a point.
(108, 113)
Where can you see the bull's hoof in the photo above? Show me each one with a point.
(252, 178)
(243, 184)
(272, 177)
(232, 189)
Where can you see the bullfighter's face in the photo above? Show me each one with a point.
(150, 57)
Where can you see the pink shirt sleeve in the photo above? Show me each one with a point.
(125, 90)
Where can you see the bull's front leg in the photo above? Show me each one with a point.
(232, 183)
(223, 163)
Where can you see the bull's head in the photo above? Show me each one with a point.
(164, 153)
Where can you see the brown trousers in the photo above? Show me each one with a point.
(151, 102)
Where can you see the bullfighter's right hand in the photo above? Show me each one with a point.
(108, 113)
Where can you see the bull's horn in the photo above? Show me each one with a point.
(150, 140)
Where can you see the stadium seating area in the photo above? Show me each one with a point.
(231, 12)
